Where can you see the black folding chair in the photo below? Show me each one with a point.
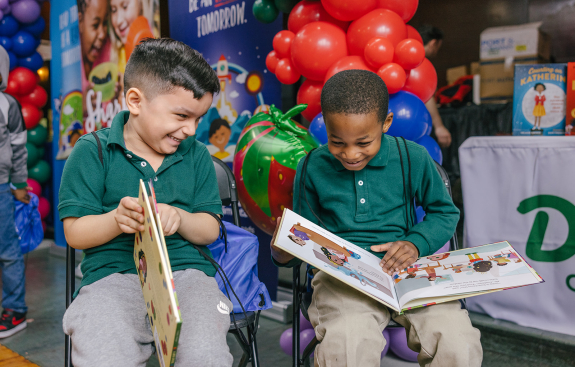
(229, 196)
(302, 300)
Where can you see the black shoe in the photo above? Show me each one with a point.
(11, 322)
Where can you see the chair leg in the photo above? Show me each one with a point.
(254, 350)
(70, 287)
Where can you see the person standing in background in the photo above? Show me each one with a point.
(432, 40)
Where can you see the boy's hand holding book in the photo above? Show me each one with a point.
(129, 215)
(400, 254)
(281, 256)
(169, 218)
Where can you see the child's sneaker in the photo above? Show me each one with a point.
(11, 323)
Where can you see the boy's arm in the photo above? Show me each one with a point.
(17, 131)
(441, 216)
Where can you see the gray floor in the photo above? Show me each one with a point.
(43, 341)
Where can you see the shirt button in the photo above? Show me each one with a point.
(360, 183)
(143, 164)
(129, 156)
(155, 178)
(362, 201)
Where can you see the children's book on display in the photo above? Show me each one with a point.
(432, 279)
(155, 272)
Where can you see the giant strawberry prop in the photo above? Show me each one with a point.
(267, 154)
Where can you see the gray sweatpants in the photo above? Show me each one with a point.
(109, 326)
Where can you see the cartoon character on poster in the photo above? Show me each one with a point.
(71, 128)
(220, 128)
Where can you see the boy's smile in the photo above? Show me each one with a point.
(354, 139)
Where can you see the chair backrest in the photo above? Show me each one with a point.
(227, 187)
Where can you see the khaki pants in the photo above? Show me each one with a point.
(349, 326)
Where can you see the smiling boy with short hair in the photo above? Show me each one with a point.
(355, 186)
(169, 87)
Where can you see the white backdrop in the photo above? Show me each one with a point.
(522, 189)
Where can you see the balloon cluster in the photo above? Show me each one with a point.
(20, 29)
(266, 11)
(38, 169)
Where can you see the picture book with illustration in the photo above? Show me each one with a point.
(155, 272)
(432, 279)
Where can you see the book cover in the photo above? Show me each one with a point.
(539, 99)
(155, 273)
(570, 116)
(432, 279)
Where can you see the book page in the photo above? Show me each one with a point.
(462, 273)
(336, 256)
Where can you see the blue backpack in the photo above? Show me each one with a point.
(28, 223)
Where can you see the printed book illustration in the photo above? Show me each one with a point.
(155, 272)
(432, 279)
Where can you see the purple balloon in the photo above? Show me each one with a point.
(387, 342)
(3, 4)
(399, 346)
(305, 337)
(286, 341)
(304, 324)
(26, 11)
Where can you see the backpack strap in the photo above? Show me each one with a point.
(99, 143)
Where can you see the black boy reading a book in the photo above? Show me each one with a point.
(168, 88)
(353, 187)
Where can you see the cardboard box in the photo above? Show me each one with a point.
(474, 68)
(455, 73)
(539, 99)
(520, 41)
(496, 84)
(570, 115)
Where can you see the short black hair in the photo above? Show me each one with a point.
(429, 32)
(541, 84)
(355, 92)
(157, 66)
(215, 125)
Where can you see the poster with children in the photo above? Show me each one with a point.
(155, 273)
(539, 99)
(430, 280)
(236, 45)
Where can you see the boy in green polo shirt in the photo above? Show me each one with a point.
(355, 188)
(169, 87)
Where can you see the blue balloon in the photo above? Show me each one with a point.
(6, 43)
(410, 116)
(432, 148)
(36, 28)
(8, 26)
(13, 60)
(23, 44)
(33, 62)
(317, 129)
(429, 130)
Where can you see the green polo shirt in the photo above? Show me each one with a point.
(367, 207)
(186, 179)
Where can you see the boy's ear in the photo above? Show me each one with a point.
(387, 122)
(134, 98)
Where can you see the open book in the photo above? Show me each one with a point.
(155, 272)
(432, 279)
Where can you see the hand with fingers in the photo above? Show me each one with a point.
(130, 215)
(400, 254)
(278, 254)
(170, 219)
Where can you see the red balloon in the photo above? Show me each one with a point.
(409, 53)
(377, 23)
(31, 115)
(413, 33)
(12, 88)
(316, 47)
(404, 8)
(43, 207)
(286, 73)
(422, 81)
(347, 63)
(378, 52)
(35, 185)
(25, 80)
(38, 97)
(394, 77)
(272, 61)
(348, 9)
(308, 11)
(282, 43)
(310, 94)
